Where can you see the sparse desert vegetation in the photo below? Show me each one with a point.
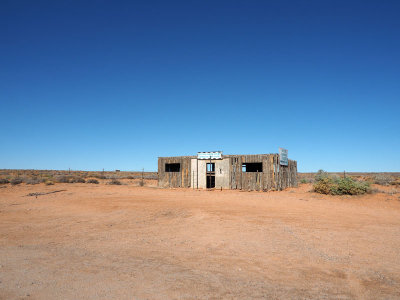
(328, 184)
(49, 177)
(324, 182)
(384, 179)
(16, 181)
(92, 180)
(4, 181)
(179, 235)
(114, 182)
(126, 241)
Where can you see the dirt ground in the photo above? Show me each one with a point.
(127, 242)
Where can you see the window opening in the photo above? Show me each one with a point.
(172, 167)
(210, 167)
(252, 167)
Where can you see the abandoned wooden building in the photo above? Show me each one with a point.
(260, 172)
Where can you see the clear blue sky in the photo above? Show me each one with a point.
(115, 84)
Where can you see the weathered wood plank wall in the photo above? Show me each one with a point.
(174, 179)
(273, 175)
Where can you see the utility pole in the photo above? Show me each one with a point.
(142, 176)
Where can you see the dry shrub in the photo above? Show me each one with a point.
(4, 181)
(63, 179)
(304, 181)
(49, 182)
(77, 180)
(16, 181)
(114, 182)
(94, 181)
(32, 181)
(70, 179)
(383, 179)
(323, 186)
(375, 191)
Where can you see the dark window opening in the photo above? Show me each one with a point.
(210, 167)
(172, 167)
(252, 167)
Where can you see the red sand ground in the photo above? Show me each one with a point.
(126, 242)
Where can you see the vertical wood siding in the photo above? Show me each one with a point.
(273, 177)
(174, 179)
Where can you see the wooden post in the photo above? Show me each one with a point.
(197, 169)
(241, 171)
(210, 173)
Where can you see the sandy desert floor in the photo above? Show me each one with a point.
(125, 242)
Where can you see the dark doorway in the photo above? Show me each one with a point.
(210, 181)
(210, 175)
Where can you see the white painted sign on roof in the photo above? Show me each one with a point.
(209, 155)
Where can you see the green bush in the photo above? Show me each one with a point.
(349, 186)
(321, 174)
(329, 185)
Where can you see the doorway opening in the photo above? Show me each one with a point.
(210, 181)
(210, 175)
